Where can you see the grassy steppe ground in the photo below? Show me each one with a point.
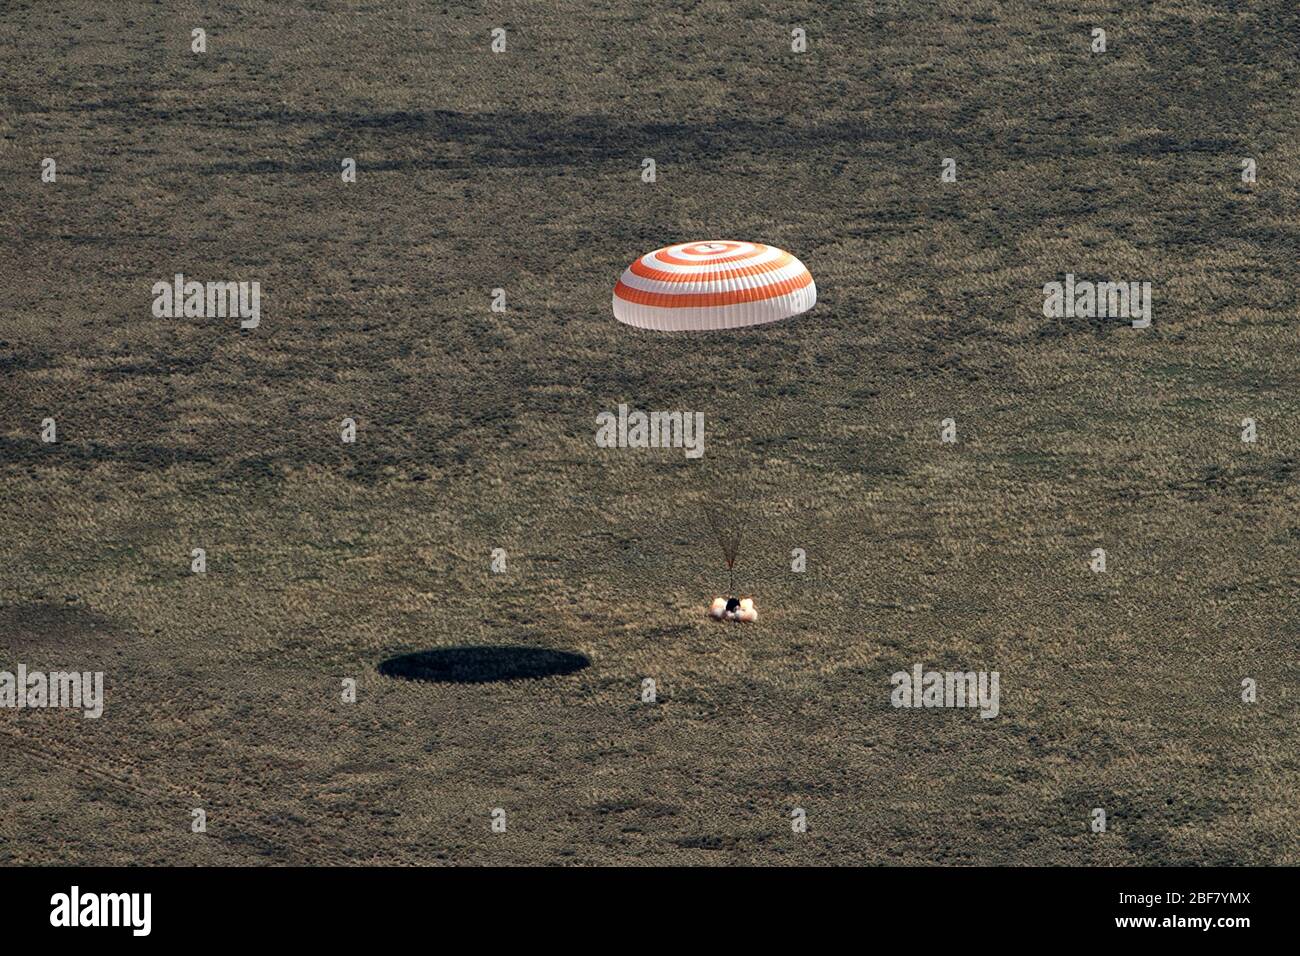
(522, 171)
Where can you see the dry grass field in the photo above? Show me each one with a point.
(522, 171)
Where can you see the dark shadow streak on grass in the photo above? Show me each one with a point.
(482, 664)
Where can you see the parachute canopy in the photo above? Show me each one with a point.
(720, 284)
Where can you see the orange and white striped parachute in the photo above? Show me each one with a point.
(720, 284)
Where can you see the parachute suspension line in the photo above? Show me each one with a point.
(727, 528)
(740, 531)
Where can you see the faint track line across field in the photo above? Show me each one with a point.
(232, 822)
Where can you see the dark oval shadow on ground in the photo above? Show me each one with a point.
(482, 664)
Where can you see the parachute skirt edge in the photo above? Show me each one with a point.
(714, 318)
